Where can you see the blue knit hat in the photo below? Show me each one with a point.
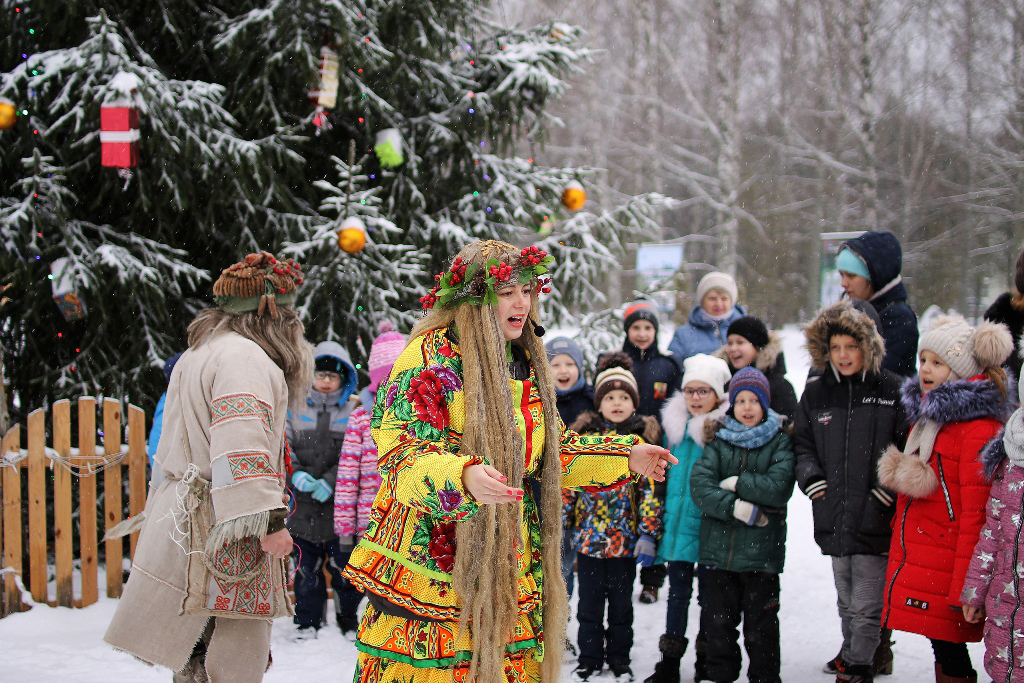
(751, 379)
(567, 346)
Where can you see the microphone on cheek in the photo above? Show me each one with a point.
(538, 330)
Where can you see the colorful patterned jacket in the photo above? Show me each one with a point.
(607, 524)
(358, 479)
(404, 560)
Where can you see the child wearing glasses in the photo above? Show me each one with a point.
(749, 342)
(703, 398)
(316, 431)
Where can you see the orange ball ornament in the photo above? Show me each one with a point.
(574, 196)
(352, 235)
(8, 114)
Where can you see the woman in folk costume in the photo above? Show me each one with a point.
(208, 573)
(463, 582)
(957, 403)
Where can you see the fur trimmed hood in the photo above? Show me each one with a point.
(957, 401)
(644, 426)
(677, 421)
(766, 358)
(843, 318)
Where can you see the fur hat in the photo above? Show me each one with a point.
(751, 379)
(639, 310)
(260, 282)
(967, 350)
(717, 280)
(384, 351)
(750, 328)
(615, 371)
(712, 371)
(567, 346)
(845, 317)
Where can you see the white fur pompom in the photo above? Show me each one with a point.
(992, 344)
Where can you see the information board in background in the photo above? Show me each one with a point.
(657, 262)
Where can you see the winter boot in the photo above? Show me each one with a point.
(943, 678)
(649, 595)
(883, 654)
(836, 665)
(672, 650)
(700, 648)
(856, 673)
(194, 671)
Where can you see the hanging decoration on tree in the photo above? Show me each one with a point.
(352, 235)
(389, 148)
(8, 114)
(119, 135)
(71, 305)
(544, 225)
(574, 196)
(326, 94)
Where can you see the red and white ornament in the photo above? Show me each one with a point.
(119, 134)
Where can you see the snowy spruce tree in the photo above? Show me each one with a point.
(230, 161)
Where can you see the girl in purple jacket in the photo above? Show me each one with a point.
(993, 589)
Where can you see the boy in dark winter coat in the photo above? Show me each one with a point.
(1008, 309)
(748, 342)
(847, 417)
(742, 483)
(658, 378)
(870, 266)
(612, 530)
(316, 434)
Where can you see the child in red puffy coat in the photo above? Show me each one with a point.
(957, 404)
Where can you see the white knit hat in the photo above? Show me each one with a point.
(704, 368)
(717, 280)
(965, 349)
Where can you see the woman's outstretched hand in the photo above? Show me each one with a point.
(488, 486)
(651, 461)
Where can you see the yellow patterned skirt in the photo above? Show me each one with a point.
(398, 650)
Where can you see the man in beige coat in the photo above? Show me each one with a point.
(208, 574)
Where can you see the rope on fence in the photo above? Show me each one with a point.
(94, 464)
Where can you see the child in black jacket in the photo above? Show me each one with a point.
(845, 420)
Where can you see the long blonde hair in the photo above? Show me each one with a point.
(282, 337)
(486, 572)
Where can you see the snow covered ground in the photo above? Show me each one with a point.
(59, 644)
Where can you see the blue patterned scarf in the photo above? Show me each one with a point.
(738, 434)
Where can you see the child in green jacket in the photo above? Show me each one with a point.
(742, 483)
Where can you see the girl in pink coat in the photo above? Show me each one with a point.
(992, 590)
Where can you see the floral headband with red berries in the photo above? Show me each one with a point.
(471, 283)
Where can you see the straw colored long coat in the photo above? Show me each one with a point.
(229, 400)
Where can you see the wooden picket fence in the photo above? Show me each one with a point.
(71, 467)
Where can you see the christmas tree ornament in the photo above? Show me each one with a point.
(573, 196)
(545, 226)
(119, 134)
(71, 305)
(327, 93)
(352, 235)
(8, 114)
(389, 148)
